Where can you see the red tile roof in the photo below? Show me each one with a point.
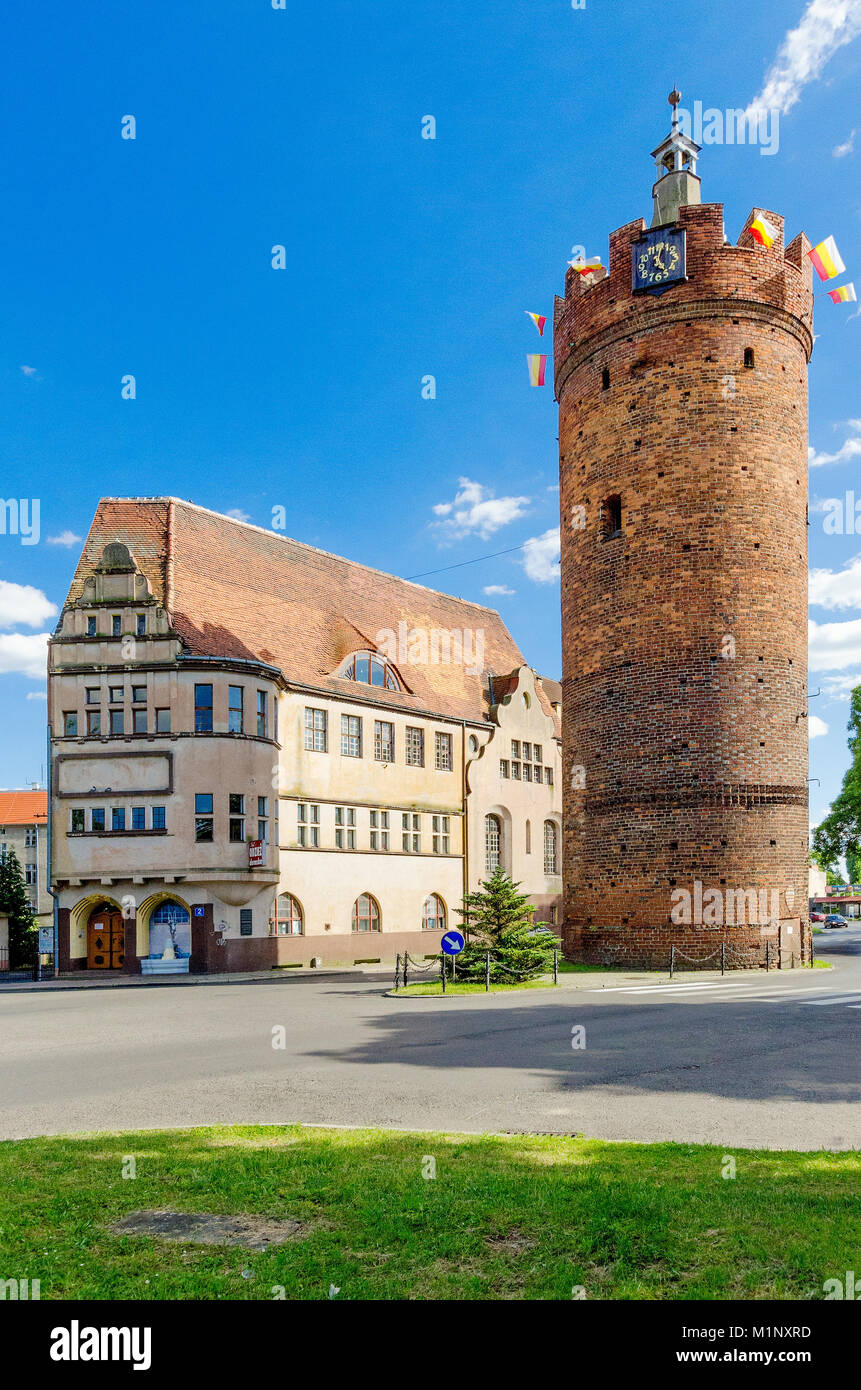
(23, 808)
(236, 590)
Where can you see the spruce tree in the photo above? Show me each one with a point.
(498, 919)
(15, 904)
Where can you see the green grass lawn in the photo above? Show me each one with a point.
(506, 1217)
(434, 986)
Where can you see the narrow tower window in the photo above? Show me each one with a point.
(748, 357)
(611, 516)
(605, 379)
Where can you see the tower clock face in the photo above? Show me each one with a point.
(659, 260)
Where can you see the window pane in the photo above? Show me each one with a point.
(203, 803)
(158, 821)
(203, 709)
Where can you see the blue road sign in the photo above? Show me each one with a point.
(452, 943)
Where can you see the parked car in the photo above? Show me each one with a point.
(834, 919)
(817, 916)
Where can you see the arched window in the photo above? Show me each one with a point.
(434, 913)
(170, 924)
(366, 913)
(371, 669)
(550, 854)
(492, 843)
(289, 918)
(528, 837)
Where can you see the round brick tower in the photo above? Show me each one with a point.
(681, 377)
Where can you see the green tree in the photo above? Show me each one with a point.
(15, 904)
(498, 919)
(840, 832)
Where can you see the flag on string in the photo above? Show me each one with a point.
(763, 231)
(539, 320)
(845, 295)
(586, 267)
(537, 362)
(826, 259)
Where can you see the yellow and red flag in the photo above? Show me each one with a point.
(539, 320)
(763, 231)
(537, 362)
(845, 295)
(586, 267)
(826, 259)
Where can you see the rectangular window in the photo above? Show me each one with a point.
(138, 694)
(118, 818)
(116, 625)
(351, 736)
(443, 753)
(548, 776)
(117, 721)
(94, 695)
(139, 721)
(384, 741)
(527, 772)
(91, 627)
(379, 830)
(157, 820)
(261, 714)
(415, 747)
(30, 875)
(515, 748)
(203, 709)
(309, 825)
(141, 624)
(77, 822)
(316, 730)
(138, 818)
(162, 721)
(411, 839)
(536, 753)
(246, 921)
(97, 818)
(515, 771)
(70, 723)
(527, 752)
(236, 813)
(234, 709)
(441, 834)
(203, 820)
(116, 694)
(503, 767)
(30, 839)
(94, 721)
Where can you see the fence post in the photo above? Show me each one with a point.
(487, 972)
(442, 969)
(672, 960)
(398, 972)
(406, 963)
(767, 955)
(812, 955)
(722, 957)
(555, 965)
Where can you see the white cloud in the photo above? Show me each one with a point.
(24, 654)
(37, 694)
(850, 449)
(23, 606)
(832, 646)
(541, 557)
(825, 26)
(238, 514)
(816, 727)
(65, 538)
(836, 588)
(29, 371)
(475, 511)
(840, 687)
(497, 589)
(848, 146)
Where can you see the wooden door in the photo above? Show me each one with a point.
(106, 940)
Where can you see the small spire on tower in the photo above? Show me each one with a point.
(676, 165)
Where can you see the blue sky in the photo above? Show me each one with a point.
(405, 257)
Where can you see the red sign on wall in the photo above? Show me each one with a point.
(256, 854)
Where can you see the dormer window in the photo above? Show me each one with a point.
(370, 669)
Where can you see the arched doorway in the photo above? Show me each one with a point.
(170, 925)
(106, 938)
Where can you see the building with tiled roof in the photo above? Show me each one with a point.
(263, 753)
(23, 824)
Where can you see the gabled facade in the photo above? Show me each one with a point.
(266, 755)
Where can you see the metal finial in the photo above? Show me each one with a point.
(675, 97)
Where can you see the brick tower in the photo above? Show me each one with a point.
(681, 377)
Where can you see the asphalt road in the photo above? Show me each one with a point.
(751, 1060)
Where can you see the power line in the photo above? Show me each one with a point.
(477, 561)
